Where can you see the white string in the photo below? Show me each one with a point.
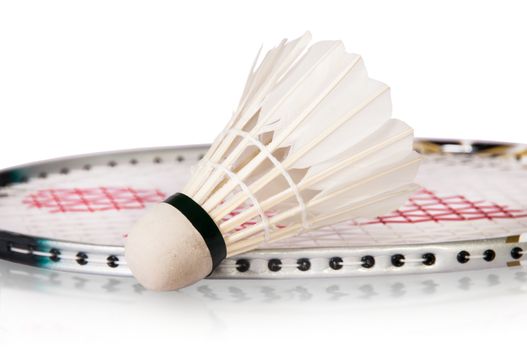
(475, 256)
(417, 260)
(245, 188)
(280, 167)
(27, 251)
(350, 263)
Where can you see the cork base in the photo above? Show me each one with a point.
(165, 252)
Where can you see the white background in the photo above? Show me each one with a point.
(87, 76)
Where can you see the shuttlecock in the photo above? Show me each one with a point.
(311, 144)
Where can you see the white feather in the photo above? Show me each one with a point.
(259, 83)
(310, 144)
(361, 160)
(305, 83)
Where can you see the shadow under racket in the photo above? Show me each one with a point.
(415, 288)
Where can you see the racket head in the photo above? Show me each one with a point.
(73, 214)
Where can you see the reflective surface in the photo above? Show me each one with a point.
(96, 309)
(80, 77)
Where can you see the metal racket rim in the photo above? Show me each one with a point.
(266, 263)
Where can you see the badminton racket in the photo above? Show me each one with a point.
(471, 213)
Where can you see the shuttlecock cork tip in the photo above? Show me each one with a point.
(165, 251)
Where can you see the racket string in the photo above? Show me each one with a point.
(505, 187)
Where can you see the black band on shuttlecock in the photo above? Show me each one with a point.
(202, 222)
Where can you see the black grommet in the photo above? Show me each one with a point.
(81, 258)
(489, 255)
(180, 158)
(87, 167)
(274, 265)
(55, 255)
(112, 261)
(112, 163)
(367, 261)
(43, 175)
(158, 160)
(303, 264)
(516, 252)
(64, 171)
(243, 265)
(397, 260)
(200, 157)
(463, 257)
(133, 161)
(429, 259)
(335, 263)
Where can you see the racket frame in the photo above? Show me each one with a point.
(264, 263)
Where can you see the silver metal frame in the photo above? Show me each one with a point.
(278, 263)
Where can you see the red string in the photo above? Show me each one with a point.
(426, 206)
(423, 206)
(81, 200)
